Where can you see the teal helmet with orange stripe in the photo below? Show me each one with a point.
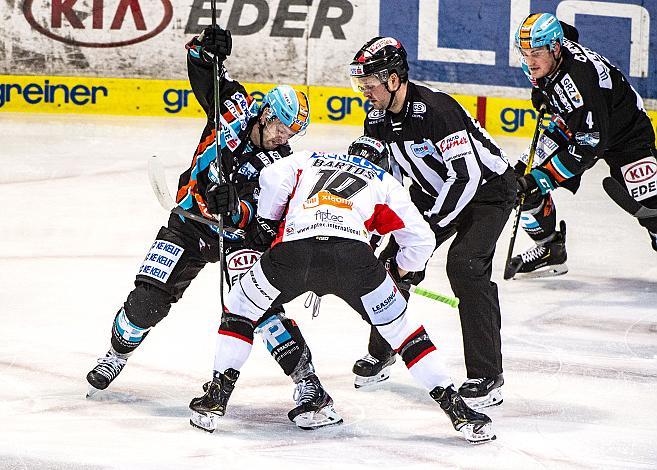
(290, 106)
(538, 30)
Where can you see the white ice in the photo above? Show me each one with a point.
(78, 215)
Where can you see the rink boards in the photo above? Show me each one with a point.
(142, 97)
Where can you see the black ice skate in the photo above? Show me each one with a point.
(653, 240)
(207, 409)
(544, 260)
(482, 392)
(105, 372)
(314, 406)
(369, 370)
(476, 427)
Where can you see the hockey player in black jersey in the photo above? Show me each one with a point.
(464, 186)
(252, 137)
(596, 115)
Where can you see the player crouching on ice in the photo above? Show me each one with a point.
(332, 256)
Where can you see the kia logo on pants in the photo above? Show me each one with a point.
(640, 171)
(99, 23)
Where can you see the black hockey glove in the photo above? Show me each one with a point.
(526, 185)
(222, 199)
(537, 98)
(403, 282)
(215, 42)
(260, 233)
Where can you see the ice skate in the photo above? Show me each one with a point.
(476, 427)
(482, 392)
(207, 409)
(108, 368)
(544, 260)
(314, 406)
(369, 370)
(653, 240)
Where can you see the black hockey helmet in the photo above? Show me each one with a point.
(380, 56)
(372, 150)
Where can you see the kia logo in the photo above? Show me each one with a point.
(242, 260)
(61, 22)
(640, 171)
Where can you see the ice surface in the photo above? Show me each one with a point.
(78, 215)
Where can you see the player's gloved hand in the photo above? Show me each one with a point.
(222, 199)
(260, 233)
(526, 185)
(537, 98)
(215, 41)
(403, 282)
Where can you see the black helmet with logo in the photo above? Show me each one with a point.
(380, 56)
(372, 150)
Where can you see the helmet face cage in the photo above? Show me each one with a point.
(373, 150)
(538, 30)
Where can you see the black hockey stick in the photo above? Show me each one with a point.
(217, 142)
(530, 162)
(620, 196)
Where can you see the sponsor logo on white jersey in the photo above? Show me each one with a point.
(456, 145)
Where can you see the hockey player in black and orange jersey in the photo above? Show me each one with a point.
(597, 115)
(252, 137)
(330, 204)
(463, 185)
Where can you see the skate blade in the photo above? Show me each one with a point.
(478, 434)
(92, 391)
(494, 398)
(318, 419)
(207, 422)
(361, 382)
(548, 271)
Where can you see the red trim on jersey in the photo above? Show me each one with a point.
(235, 335)
(412, 335)
(383, 220)
(424, 353)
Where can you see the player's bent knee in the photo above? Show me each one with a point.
(147, 305)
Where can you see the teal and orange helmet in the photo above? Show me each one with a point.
(290, 106)
(537, 30)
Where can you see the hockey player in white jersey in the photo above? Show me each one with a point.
(328, 205)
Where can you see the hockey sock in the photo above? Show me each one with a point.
(234, 342)
(126, 336)
(539, 218)
(286, 344)
(418, 352)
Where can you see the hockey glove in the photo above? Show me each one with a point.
(403, 282)
(215, 42)
(222, 199)
(526, 186)
(537, 98)
(260, 233)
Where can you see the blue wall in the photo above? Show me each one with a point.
(484, 25)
